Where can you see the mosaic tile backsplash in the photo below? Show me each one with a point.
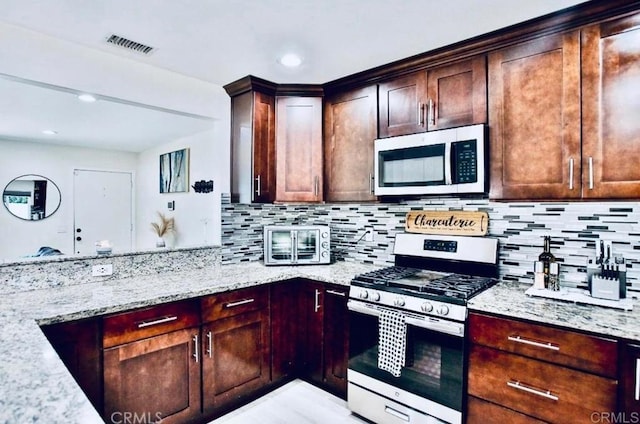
(574, 227)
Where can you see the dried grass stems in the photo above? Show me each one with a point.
(166, 225)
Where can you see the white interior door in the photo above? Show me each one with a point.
(103, 209)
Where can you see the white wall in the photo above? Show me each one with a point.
(197, 215)
(21, 238)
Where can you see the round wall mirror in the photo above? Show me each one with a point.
(31, 197)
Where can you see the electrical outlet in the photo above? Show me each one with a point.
(369, 234)
(102, 270)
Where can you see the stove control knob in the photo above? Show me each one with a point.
(399, 302)
(443, 310)
(427, 307)
(364, 294)
(375, 296)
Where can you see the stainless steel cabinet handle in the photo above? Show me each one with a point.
(570, 173)
(258, 185)
(590, 173)
(162, 320)
(238, 303)
(371, 186)
(316, 185)
(544, 393)
(196, 346)
(396, 413)
(316, 306)
(432, 112)
(209, 344)
(337, 293)
(637, 379)
(420, 113)
(519, 339)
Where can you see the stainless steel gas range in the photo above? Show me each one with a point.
(407, 328)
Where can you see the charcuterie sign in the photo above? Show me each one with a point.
(464, 223)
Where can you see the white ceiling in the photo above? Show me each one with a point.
(220, 41)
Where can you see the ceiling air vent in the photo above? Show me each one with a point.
(129, 44)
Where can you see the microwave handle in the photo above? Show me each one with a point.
(448, 164)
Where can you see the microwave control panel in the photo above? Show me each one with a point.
(465, 162)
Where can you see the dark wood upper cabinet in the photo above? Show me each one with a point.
(442, 97)
(253, 171)
(350, 127)
(457, 94)
(610, 109)
(534, 119)
(401, 105)
(299, 149)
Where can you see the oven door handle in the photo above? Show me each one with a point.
(428, 323)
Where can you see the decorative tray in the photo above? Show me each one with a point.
(580, 296)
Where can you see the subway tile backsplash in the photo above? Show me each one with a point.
(574, 227)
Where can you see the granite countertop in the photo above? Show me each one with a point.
(35, 386)
(509, 299)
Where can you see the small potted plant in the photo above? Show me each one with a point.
(164, 228)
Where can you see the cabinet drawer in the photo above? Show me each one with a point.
(142, 323)
(482, 412)
(589, 353)
(540, 389)
(235, 302)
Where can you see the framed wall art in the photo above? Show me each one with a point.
(174, 171)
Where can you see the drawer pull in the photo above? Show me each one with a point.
(337, 293)
(196, 346)
(162, 320)
(544, 393)
(519, 339)
(238, 303)
(396, 413)
(637, 379)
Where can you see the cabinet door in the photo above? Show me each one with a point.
(310, 330)
(534, 119)
(78, 344)
(264, 148)
(299, 149)
(350, 123)
(336, 340)
(235, 359)
(155, 378)
(457, 94)
(284, 340)
(402, 105)
(630, 380)
(611, 111)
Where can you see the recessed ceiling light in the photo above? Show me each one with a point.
(49, 132)
(290, 60)
(87, 98)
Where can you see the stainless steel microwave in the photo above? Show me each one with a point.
(449, 162)
(296, 244)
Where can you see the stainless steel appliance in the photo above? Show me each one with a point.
(426, 292)
(296, 244)
(450, 161)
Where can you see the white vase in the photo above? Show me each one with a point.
(160, 242)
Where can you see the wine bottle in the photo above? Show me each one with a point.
(546, 257)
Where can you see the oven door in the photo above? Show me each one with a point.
(434, 364)
(279, 246)
(307, 246)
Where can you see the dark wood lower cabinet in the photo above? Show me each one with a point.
(482, 412)
(235, 362)
(157, 378)
(630, 382)
(336, 340)
(78, 344)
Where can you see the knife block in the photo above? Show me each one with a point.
(611, 284)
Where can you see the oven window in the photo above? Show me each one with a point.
(281, 248)
(414, 166)
(433, 365)
(307, 245)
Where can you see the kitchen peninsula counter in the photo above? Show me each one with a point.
(35, 386)
(509, 299)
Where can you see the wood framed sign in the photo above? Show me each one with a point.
(460, 223)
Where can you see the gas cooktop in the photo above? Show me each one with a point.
(448, 287)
